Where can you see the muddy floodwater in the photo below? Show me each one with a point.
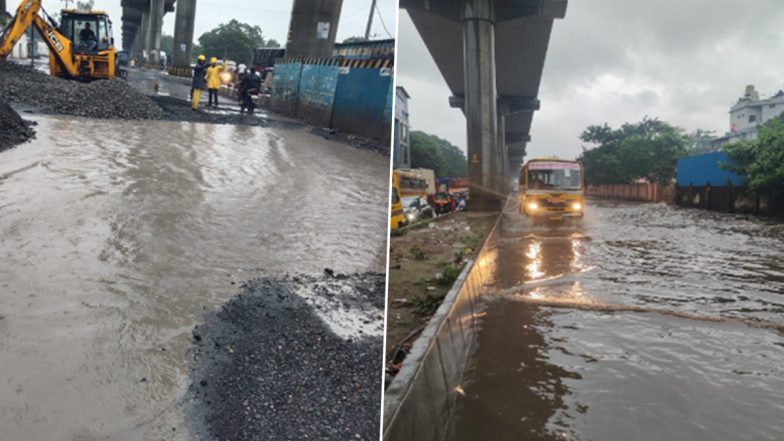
(117, 237)
(646, 323)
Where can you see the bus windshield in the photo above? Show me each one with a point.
(554, 175)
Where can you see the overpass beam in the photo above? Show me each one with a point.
(480, 104)
(154, 27)
(185, 16)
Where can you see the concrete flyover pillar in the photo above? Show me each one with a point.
(502, 156)
(480, 104)
(153, 41)
(313, 27)
(138, 42)
(141, 49)
(185, 16)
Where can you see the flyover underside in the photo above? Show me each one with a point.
(141, 27)
(522, 31)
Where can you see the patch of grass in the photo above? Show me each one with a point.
(397, 233)
(417, 253)
(450, 274)
(427, 305)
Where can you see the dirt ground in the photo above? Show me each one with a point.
(423, 263)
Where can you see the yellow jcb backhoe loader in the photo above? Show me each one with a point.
(81, 47)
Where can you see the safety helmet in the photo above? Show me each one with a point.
(201, 58)
(213, 60)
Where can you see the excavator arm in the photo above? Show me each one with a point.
(59, 45)
(25, 14)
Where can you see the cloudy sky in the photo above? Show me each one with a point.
(685, 62)
(271, 15)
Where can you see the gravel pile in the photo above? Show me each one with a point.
(108, 99)
(13, 129)
(266, 367)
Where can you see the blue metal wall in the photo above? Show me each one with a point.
(363, 102)
(285, 88)
(351, 99)
(703, 169)
(317, 93)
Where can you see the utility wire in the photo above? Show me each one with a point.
(382, 22)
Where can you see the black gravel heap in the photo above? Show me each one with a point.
(107, 99)
(13, 129)
(266, 367)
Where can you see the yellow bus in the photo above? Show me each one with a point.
(397, 217)
(552, 189)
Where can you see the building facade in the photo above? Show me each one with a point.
(749, 112)
(401, 152)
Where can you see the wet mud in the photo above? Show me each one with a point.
(32, 89)
(643, 322)
(13, 129)
(267, 366)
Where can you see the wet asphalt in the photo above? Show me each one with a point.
(646, 322)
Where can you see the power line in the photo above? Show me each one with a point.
(381, 19)
(370, 20)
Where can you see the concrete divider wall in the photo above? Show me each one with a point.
(418, 403)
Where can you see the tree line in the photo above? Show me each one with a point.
(430, 151)
(233, 41)
(650, 150)
(760, 161)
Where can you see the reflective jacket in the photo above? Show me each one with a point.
(213, 76)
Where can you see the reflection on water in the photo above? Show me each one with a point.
(623, 329)
(116, 241)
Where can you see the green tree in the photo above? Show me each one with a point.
(272, 43)
(167, 44)
(86, 5)
(648, 150)
(430, 151)
(354, 40)
(233, 40)
(196, 50)
(761, 161)
(702, 142)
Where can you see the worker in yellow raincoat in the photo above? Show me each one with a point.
(213, 80)
(199, 71)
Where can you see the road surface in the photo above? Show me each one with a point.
(117, 237)
(647, 323)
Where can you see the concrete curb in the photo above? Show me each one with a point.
(418, 403)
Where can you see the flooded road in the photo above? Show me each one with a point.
(116, 237)
(646, 323)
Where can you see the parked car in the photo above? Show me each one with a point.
(416, 209)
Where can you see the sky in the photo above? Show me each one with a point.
(271, 15)
(685, 62)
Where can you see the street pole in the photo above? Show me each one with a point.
(370, 20)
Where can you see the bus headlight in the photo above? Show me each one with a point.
(577, 206)
(533, 206)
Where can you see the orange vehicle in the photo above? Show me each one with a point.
(81, 46)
